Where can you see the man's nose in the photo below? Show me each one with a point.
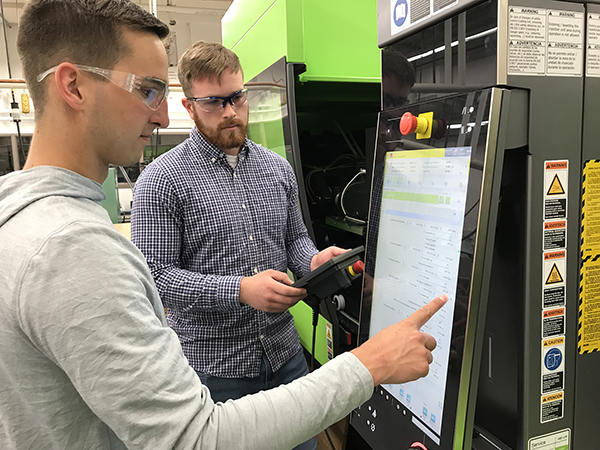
(229, 110)
(161, 115)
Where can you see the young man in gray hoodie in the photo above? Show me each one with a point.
(86, 359)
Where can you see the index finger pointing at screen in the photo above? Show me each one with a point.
(424, 313)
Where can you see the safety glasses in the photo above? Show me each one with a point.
(212, 104)
(151, 91)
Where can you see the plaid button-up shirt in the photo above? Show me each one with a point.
(202, 226)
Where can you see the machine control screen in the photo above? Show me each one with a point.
(418, 253)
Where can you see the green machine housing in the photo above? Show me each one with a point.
(313, 73)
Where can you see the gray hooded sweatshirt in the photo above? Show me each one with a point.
(86, 359)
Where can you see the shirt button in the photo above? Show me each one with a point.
(262, 336)
(251, 238)
(243, 206)
(255, 270)
(234, 175)
(213, 159)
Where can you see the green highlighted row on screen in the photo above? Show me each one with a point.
(420, 198)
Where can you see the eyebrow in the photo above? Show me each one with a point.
(221, 96)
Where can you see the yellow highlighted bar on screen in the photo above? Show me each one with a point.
(422, 153)
(414, 197)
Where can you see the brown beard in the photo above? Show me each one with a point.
(220, 138)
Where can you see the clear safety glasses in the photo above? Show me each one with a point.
(151, 91)
(212, 104)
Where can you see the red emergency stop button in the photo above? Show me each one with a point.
(408, 123)
(356, 268)
(411, 124)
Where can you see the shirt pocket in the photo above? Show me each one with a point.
(270, 201)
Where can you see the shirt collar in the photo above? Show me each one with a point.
(209, 150)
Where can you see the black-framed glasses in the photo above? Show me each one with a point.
(151, 91)
(212, 104)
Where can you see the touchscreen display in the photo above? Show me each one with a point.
(418, 252)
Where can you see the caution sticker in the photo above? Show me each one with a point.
(559, 440)
(556, 177)
(553, 365)
(553, 407)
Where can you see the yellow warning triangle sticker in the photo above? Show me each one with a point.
(328, 333)
(556, 187)
(555, 276)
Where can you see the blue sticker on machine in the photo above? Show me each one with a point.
(553, 359)
(400, 12)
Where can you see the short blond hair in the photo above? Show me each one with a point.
(205, 60)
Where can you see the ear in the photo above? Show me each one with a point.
(68, 81)
(188, 106)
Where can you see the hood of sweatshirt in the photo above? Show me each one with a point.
(21, 188)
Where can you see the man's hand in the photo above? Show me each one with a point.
(270, 291)
(325, 255)
(400, 352)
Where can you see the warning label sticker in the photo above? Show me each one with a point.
(589, 307)
(554, 296)
(556, 178)
(558, 254)
(552, 407)
(564, 59)
(545, 42)
(559, 440)
(589, 289)
(557, 165)
(565, 43)
(592, 62)
(556, 187)
(554, 276)
(590, 209)
(554, 282)
(553, 322)
(555, 234)
(526, 57)
(554, 268)
(555, 208)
